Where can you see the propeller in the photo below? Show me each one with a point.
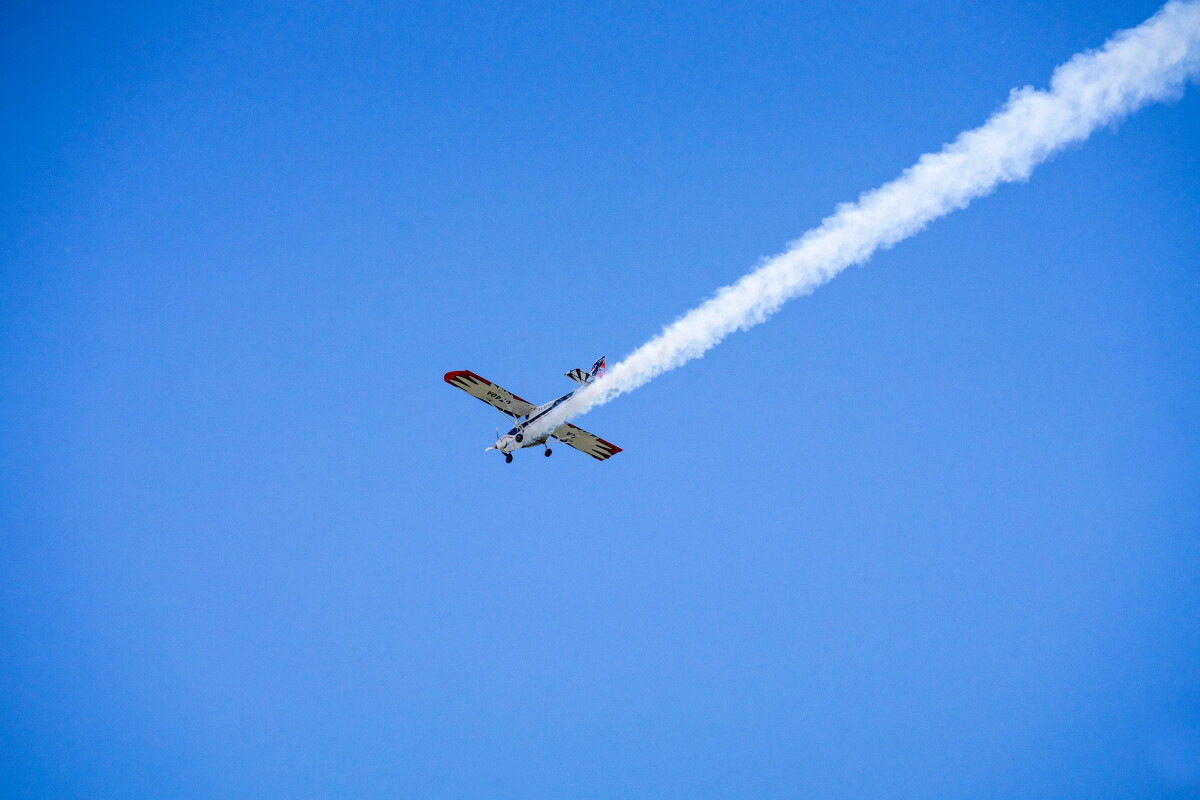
(493, 447)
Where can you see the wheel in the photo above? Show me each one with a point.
(508, 458)
(548, 452)
(519, 438)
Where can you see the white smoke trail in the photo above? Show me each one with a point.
(1146, 64)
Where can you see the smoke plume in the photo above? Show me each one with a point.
(1136, 67)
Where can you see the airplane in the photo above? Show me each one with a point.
(524, 413)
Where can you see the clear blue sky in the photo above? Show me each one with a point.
(931, 532)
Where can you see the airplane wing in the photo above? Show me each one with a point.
(585, 442)
(489, 392)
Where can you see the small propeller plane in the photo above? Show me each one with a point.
(524, 413)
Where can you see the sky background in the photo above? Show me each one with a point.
(933, 531)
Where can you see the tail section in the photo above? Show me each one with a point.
(582, 378)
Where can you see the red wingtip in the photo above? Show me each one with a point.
(612, 448)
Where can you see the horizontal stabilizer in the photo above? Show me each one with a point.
(581, 377)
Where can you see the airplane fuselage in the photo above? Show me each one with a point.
(515, 439)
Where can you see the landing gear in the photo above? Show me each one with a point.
(519, 438)
(508, 458)
(548, 452)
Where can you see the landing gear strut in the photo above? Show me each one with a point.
(508, 458)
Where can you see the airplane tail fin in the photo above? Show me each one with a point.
(581, 377)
